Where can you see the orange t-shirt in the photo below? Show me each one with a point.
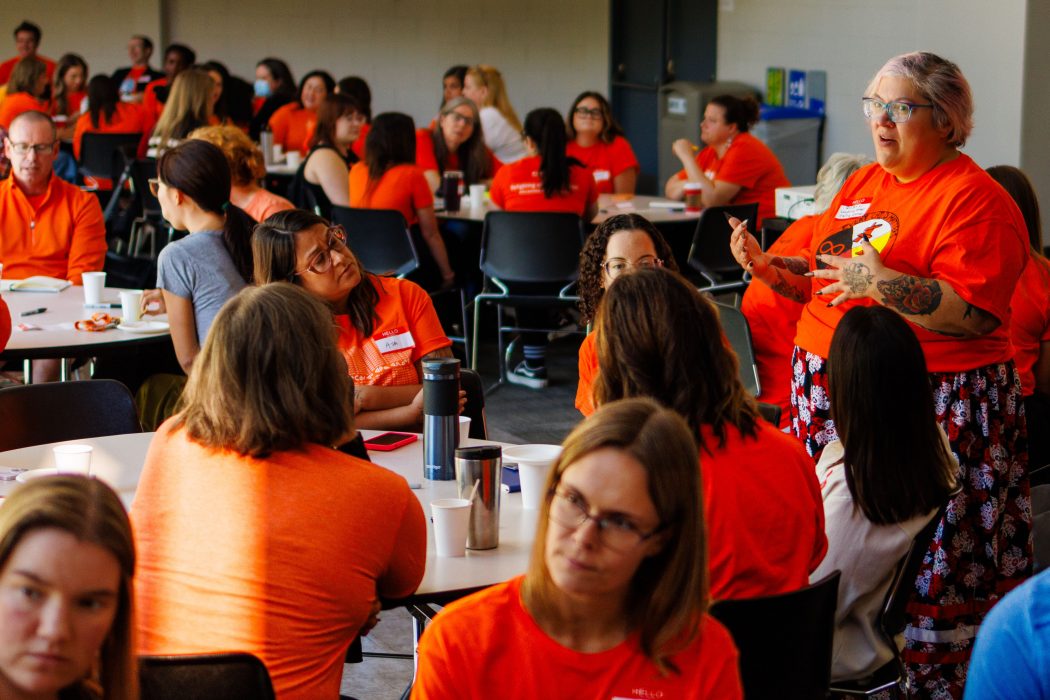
(488, 645)
(280, 557)
(772, 318)
(749, 163)
(518, 187)
(402, 187)
(427, 160)
(127, 119)
(604, 160)
(150, 102)
(9, 65)
(764, 513)
(954, 224)
(588, 362)
(264, 203)
(293, 126)
(407, 330)
(1030, 320)
(20, 102)
(5, 324)
(61, 236)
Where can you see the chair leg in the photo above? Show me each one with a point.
(466, 327)
(475, 330)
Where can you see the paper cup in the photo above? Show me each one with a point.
(73, 459)
(534, 461)
(293, 158)
(464, 429)
(278, 153)
(693, 192)
(451, 520)
(477, 196)
(94, 283)
(131, 305)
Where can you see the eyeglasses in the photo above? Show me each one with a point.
(24, 148)
(154, 186)
(898, 112)
(615, 531)
(617, 266)
(460, 119)
(587, 113)
(322, 262)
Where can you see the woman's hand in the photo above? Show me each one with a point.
(854, 277)
(745, 247)
(462, 401)
(684, 150)
(153, 302)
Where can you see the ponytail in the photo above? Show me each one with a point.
(546, 128)
(237, 237)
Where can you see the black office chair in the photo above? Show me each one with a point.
(379, 238)
(109, 156)
(893, 617)
(41, 413)
(738, 333)
(784, 640)
(151, 219)
(710, 254)
(204, 677)
(521, 252)
(470, 382)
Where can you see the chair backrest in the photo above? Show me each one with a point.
(531, 246)
(710, 254)
(738, 333)
(141, 172)
(379, 238)
(41, 413)
(470, 382)
(129, 271)
(784, 640)
(104, 155)
(204, 677)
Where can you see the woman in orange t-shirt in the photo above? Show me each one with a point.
(389, 179)
(597, 141)
(387, 326)
(293, 124)
(233, 481)
(620, 534)
(25, 91)
(68, 92)
(107, 114)
(455, 143)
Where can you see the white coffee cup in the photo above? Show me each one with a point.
(278, 153)
(73, 459)
(293, 158)
(464, 429)
(94, 283)
(131, 305)
(534, 461)
(477, 196)
(451, 520)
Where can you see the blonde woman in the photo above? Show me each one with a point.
(189, 107)
(499, 122)
(246, 169)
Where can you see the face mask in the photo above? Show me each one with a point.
(262, 88)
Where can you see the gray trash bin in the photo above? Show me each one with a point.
(794, 135)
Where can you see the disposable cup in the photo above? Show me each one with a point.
(293, 158)
(451, 521)
(131, 305)
(464, 429)
(693, 192)
(534, 461)
(278, 153)
(94, 283)
(477, 196)
(74, 459)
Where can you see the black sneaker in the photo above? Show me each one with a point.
(532, 377)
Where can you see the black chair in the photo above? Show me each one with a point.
(771, 412)
(470, 382)
(151, 219)
(41, 413)
(522, 252)
(204, 677)
(108, 156)
(784, 640)
(738, 333)
(710, 254)
(379, 238)
(129, 272)
(772, 229)
(893, 617)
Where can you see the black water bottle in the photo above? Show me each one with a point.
(440, 418)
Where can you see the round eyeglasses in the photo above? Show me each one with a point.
(617, 266)
(897, 111)
(615, 530)
(322, 261)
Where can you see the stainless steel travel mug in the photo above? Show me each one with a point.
(479, 473)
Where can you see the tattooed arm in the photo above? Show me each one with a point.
(929, 303)
(785, 276)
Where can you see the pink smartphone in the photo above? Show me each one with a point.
(385, 442)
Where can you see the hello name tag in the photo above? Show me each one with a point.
(602, 175)
(853, 209)
(393, 340)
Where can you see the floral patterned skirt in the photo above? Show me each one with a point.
(982, 548)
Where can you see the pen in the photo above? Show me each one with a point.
(33, 312)
(102, 306)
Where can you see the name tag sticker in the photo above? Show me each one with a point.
(853, 209)
(602, 175)
(393, 340)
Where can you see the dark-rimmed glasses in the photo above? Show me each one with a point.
(617, 266)
(588, 113)
(615, 530)
(24, 148)
(898, 112)
(460, 118)
(322, 260)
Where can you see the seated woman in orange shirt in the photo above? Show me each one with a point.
(614, 602)
(107, 115)
(67, 93)
(597, 141)
(25, 91)
(231, 484)
(322, 179)
(293, 124)
(735, 167)
(389, 179)
(387, 326)
(455, 143)
(657, 336)
(246, 170)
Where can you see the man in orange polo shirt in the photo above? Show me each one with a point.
(27, 40)
(47, 226)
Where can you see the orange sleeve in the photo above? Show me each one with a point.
(425, 158)
(422, 197)
(498, 190)
(746, 163)
(423, 320)
(588, 364)
(88, 251)
(279, 123)
(408, 556)
(5, 324)
(622, 156)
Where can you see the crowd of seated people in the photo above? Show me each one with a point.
(902, 328)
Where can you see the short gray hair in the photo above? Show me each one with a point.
(832, 175)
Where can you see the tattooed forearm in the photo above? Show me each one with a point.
(909, 295)
(799, 266)
(857, 277)
(785, 289)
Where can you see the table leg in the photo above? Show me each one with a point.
(63, 370)
(27, 372)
